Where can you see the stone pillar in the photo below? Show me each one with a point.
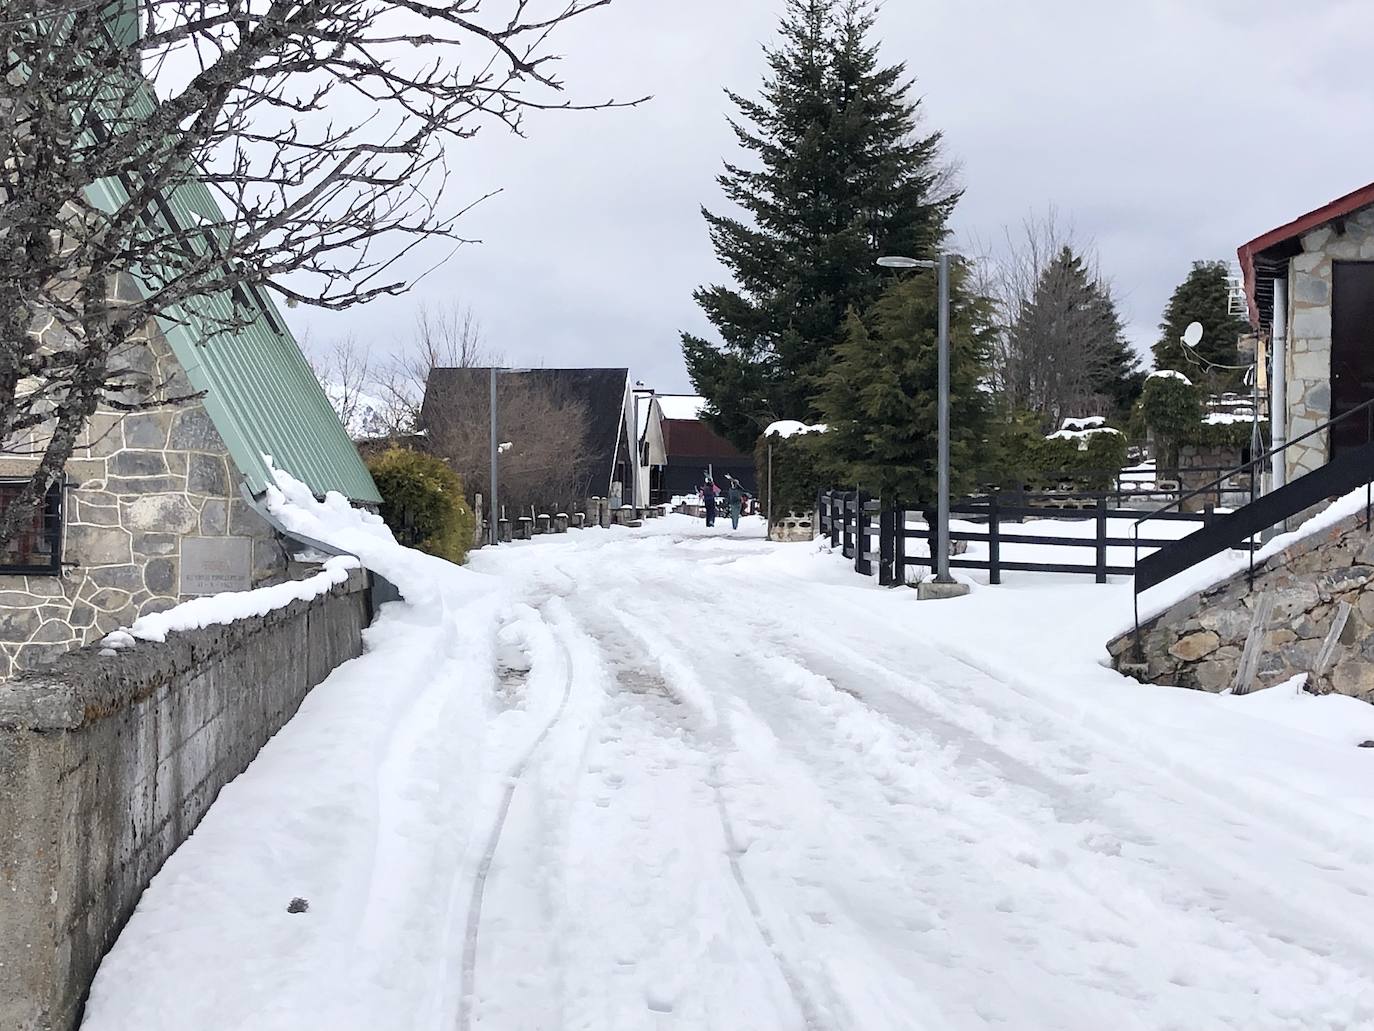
(579, 520)
(503, 529)
(560, 522)
(524, 528)
(541, 524)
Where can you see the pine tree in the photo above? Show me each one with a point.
(1203, 297)
(1066, 352)
(880, 397)
(842, 177)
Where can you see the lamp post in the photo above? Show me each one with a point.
(945, 586)
(493, 530)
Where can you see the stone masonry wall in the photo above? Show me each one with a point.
(1197, 643)
(138, 486)
(108, 762)
(1309, 335)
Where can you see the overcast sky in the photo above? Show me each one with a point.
(1165, 130)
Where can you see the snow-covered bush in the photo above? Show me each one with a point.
(1172, 408)
(423, 503)
(797, 472)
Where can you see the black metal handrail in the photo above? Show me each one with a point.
(1342, 474)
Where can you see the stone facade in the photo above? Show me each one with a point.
(1197, 465)
(1309, 332)
(138, 486)
(1197, 643)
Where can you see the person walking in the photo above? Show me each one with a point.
(735, 499)
(708, 498)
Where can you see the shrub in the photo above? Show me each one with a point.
(1027, 458)
(1172, 409)
(798, 475)
(423, 503)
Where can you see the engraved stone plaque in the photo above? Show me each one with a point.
(210, 565)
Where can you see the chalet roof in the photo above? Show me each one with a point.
(1266, 252)
(602, 391)
(692, 438)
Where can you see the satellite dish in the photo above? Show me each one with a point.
(1193, 334)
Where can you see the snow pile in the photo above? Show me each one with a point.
(1084, 434)
(1169, 374)
(1227, 418)
(231, 606)
(791, 428)
(1085, 423)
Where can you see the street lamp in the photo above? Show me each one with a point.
(945, 586)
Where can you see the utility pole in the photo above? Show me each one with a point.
(944, 585)
(493, 530)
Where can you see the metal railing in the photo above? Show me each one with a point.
(1231, 530)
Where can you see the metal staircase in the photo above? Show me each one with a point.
(1242, 528)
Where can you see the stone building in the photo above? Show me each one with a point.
(159, 506)
(1310, 286)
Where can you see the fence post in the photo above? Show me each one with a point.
(887, 532)
(1101, 540)
(834, 525)
(899, 547)
(994, 542)
(847, 500)
(861, 564)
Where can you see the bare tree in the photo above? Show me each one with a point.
(185, 159)
(546, 465)
(448, 337)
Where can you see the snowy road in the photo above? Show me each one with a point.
(712, 785)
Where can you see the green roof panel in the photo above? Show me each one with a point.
(259, 389)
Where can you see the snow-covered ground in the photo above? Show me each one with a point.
(671, 778)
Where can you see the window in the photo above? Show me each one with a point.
(36, 546)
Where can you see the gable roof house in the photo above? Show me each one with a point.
(1310, 285)
(159, 506)
(456, 410)
(677, 449)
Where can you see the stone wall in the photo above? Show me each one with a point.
(108, 762)
(138, 486)
(1197, 643)
(1309, 333)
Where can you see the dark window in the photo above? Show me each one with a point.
(36, 546)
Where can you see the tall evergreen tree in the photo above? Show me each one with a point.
(842, 176)
(1066, 351)
(879, 398)
(1203, 297)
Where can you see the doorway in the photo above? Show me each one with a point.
(1352, 350)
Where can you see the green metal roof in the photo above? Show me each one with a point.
(259, 390)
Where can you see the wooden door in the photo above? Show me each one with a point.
(1352, 351)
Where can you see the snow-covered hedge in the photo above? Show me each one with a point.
(798, 472)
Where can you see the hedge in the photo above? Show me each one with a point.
(423, 503)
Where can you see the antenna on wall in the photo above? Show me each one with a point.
(1237, 303)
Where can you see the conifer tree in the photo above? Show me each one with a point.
(838, 175)
(1203, 297)
(879, 399)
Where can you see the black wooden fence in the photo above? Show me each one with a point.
(876, 536)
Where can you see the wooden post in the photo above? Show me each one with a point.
(834, 523)
(1254, 643)
(994, 541)
(847, 534)
(887, 533)
(862, 565)
(1327, 654)
(1101, 540)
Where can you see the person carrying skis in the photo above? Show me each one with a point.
(734, 497)
(708, 498)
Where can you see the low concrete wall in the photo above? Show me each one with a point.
(107, 763)
(1198, 642)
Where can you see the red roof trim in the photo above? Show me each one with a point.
(1341, 206)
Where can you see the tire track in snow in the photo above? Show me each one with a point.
(468, 986)
(693, 695)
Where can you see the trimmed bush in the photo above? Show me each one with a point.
(1172, 409)
(423, 503)
(797, 472)
(1031, 460)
